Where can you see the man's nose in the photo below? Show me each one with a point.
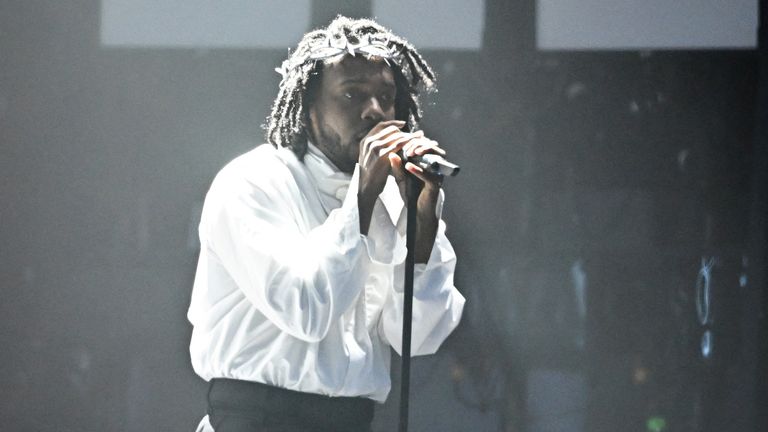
(373, 110)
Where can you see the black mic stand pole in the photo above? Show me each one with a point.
(412, 188)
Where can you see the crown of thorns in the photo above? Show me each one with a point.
(339, 45)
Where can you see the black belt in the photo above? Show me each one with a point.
(277, 406)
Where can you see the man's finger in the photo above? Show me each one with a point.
(397, 167)
(423, 146)
(396, 144)
(428, 146)
(383, 129)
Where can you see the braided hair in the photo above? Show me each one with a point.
(287, 124)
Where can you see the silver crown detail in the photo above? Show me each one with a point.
(339, 45)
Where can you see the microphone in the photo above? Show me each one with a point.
(433, 163)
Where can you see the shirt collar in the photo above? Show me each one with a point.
(331, 182)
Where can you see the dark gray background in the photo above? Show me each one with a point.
(594, 185)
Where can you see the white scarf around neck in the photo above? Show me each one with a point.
(331, 182)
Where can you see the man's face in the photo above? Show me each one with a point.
(353, 96)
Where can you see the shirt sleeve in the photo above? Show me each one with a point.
(301, 279)
(437, 304)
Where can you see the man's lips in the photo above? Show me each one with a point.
(363, 132)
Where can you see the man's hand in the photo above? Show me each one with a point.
(379, 157)
(426, 219)
(383, 140)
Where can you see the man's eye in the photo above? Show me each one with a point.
(350, 95)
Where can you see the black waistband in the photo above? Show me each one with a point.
(280, 406)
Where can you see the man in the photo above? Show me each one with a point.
(299, 288)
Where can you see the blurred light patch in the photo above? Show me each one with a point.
(646, 24)
(656, 424)
(435, 24)
(204, 23)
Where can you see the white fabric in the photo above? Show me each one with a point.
(290, 294)
(205, 425)
(331, 183)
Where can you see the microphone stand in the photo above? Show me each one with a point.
(412, 188)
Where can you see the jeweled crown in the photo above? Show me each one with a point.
(340, 45)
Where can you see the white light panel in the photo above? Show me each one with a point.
(204, 23)
(646, 24)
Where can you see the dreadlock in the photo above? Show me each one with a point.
(287, 124)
